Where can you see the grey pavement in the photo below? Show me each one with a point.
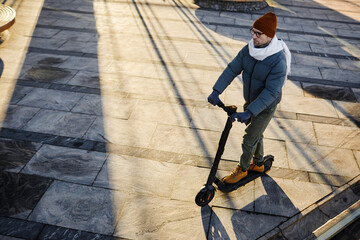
(106, 132)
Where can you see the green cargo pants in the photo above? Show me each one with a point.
(252, 145)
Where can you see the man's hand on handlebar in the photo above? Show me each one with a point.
(214, 98)
(241, 116)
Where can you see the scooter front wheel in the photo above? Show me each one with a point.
(205, 195)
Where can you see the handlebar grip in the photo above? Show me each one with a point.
(221, 104)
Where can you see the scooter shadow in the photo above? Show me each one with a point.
(268, 211)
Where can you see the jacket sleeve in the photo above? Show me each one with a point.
(233, 69)
(272, 90)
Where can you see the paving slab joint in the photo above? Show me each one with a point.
(232, 5)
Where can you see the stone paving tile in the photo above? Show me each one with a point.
(304, 227)
(131, 68)
(19, 92)
(328, 92)
(319, 107)
(47, 74)
(120, 131)
(210, 119)
(34, 58)
(309, 61)
(290, 130)
(343, 75)
(302, 156)
(233, 97)
(348, 64)
(79, 207)
(306, 71)
(357, 93)
(336, 50)
(18, 116)
(288, 173)
(15, 154)
(286, 197)
(342, 200)
(47, 43)
(81, 63)
(60, 123)
(117, 107)
(53, 233)
(357, 156)
(348, 110)
(322, 159)
(146, 217)
(162, 112)
(51, 99)
(20, 193)
(143, 176)
(298, 46)
(278, 149)
(86, 79)
(74, 165)
(327, 120)
(306, 38)
(235, 224)
(210, 60)
(79, 36)
(193, 91)
(46, 33)
(336, 136)
(293, 88)
(335, 162)
(76, 46)
(89, 104)
(10, 238)
(19, 229)
(185, 140)
(328, 179)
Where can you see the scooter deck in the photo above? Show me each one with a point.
(268, 160)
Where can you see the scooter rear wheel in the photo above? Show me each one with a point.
(205, 195)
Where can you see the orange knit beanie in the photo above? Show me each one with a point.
(266, 24)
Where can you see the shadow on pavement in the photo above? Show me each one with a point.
(275, 197)
(47, 166)
(270, 210)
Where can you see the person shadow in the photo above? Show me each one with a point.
(269, 211)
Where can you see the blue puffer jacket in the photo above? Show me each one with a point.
(262, 80)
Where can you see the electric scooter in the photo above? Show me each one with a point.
(207, 192)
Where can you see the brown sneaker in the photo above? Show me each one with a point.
(255, 168)
(236, 175)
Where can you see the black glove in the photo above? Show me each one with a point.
(241, 116)
(214, 98)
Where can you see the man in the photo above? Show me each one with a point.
(264, 63)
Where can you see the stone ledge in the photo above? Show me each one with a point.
(319, 213)
(232, 5)
(336, 224)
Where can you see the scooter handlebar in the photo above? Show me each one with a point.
(230, 110)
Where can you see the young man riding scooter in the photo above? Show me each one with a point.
(264, 63)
